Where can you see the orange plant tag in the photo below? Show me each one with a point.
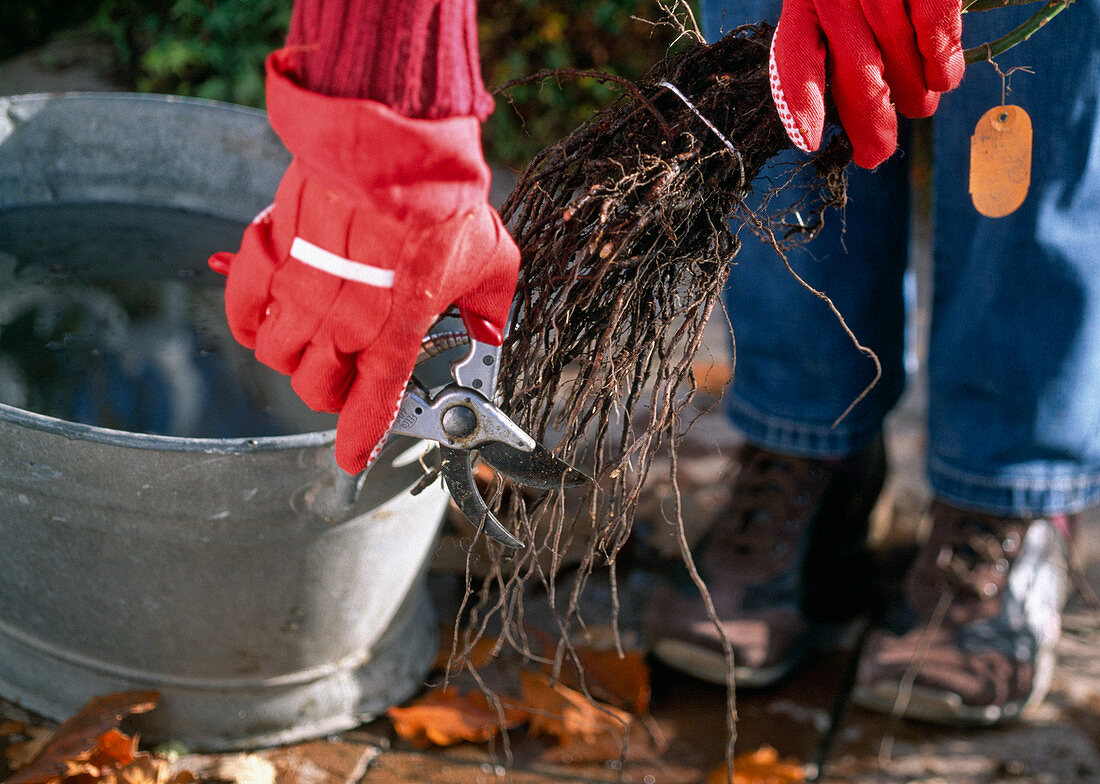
(1000, 161)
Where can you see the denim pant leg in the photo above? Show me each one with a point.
(1014, 402)
(796, 370)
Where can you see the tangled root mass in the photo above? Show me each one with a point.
(627, 229)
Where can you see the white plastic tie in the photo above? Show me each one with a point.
(327, 261)
(676, 91)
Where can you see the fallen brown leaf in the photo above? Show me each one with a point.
(445, 717)
(113, 750)
(116, 761)
(568, 715)
(762, 766)
(620, 681)
(88, 741)
(19, 754)
(638, 745)
(585, 731)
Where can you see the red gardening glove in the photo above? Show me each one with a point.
(379, 225)
(879, 55)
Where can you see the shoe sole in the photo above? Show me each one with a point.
(709, 665)
(933, 706)
(939, 706)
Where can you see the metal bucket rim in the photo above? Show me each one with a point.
(157, 98)
(125, 438)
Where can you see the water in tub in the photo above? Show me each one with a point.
(109, 316)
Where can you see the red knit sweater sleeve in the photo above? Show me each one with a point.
(419, 57)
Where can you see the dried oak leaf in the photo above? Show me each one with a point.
(636, 744)
(445, 717)
(568, 715)
(762, 766)
(585, 730)
(88, 738)
(113, 749)
(621, 681)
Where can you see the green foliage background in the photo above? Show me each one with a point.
(522, 37)
(215, 49)
(27, 23)
(206, 48)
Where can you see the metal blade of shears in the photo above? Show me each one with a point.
(536, 468)
(463, 416)
(456, 465)
(532, 464)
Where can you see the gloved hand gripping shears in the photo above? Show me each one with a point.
(463, 418)
(338, 281)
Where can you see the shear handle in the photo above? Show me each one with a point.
(478, 369)
(458, 474)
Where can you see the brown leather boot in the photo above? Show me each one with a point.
(784, 561)
(972, 640)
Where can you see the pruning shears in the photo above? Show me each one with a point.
(463, 418)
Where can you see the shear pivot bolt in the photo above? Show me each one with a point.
(459, 422)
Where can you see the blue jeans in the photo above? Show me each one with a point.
(1014, 355)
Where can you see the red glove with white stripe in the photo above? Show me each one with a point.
(379, 225)
(880, 57)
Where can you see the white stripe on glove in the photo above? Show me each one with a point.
(327, 261)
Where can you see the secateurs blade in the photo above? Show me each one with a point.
(463, 419)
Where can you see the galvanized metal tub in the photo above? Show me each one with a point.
(267, 595)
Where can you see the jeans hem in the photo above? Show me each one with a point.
(801, 439)
(1030, 496)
